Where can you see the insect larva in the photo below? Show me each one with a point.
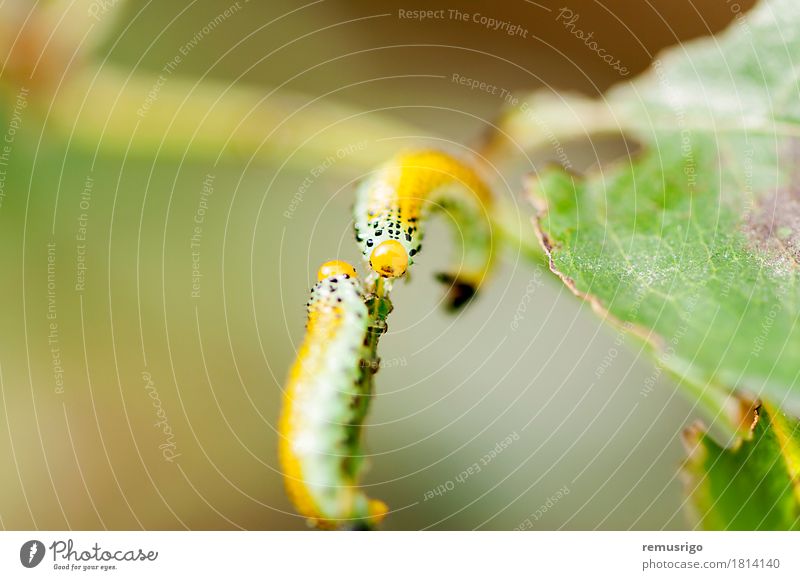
(324, 407)
(393, 203)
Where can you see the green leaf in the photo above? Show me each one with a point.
(694, 242)
(752, 486)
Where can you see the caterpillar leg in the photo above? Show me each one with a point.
(324, 407)
(393, 204)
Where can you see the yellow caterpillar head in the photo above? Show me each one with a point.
(335, 268)
(389, 259)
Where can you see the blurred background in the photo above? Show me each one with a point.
(172, 175)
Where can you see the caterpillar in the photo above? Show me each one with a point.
(393, 203)
(324, 405)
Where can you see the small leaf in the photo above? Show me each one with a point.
(754, 485)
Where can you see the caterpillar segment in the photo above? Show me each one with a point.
(324, 408)
(393, 204)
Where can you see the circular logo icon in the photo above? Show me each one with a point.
(31, 553)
